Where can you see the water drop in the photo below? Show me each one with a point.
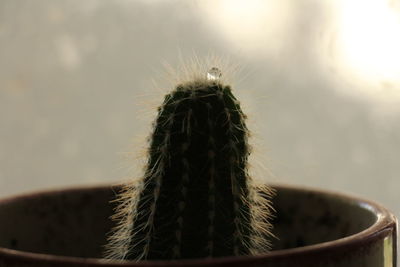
(214, 74)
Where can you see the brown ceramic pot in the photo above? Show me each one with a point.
(315, 228)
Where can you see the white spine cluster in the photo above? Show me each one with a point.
(125, 214)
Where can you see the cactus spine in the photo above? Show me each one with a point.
(196, 198)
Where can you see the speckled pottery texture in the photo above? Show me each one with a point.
(315, 228)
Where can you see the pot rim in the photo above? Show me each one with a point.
(385, 221)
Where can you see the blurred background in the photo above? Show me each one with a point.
(320, 81)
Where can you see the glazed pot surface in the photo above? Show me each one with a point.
(314, 228)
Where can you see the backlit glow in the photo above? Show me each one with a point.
(249, 25)
(369, 37)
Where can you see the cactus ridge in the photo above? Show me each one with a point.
(196, 198)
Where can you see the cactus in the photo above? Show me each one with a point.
(196, 198)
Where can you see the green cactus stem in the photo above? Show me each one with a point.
(196, 198)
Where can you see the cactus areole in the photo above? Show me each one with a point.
(195, 199)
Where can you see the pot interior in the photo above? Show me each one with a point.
(75, 222)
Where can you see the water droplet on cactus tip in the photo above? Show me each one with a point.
(214, 74)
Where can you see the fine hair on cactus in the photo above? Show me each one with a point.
(196, 198)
